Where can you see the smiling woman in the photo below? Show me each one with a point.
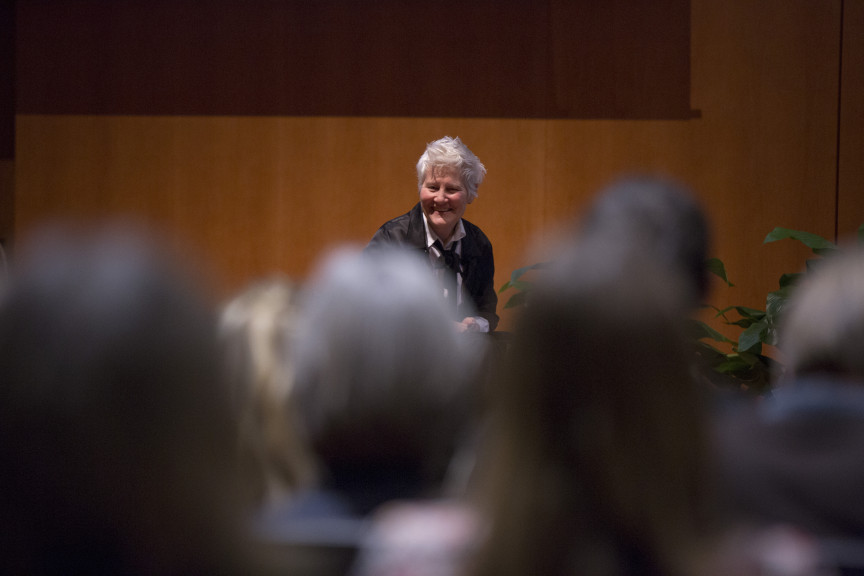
(458, 252)
(443, 200)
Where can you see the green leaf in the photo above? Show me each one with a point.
(519, 272)
(521, 285)
(743, 311)
(733, 365)
(747, 316)
(751, 359)
(702, 330)
(752, 337)
(813, 241)
(715, 266)
(790, 279)
(722, 312)
(517, 284)
(813, 263)
(751, 313)
(516, 300)
(776, 301)
(713, 355)
(743, 322)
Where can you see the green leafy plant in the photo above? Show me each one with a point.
(744, 366)
(520, 285)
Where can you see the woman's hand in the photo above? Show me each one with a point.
(468, 325)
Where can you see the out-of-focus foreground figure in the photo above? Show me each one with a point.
(599, 462)
(258, 326)
(794, 462)
(385, 388)
(116, 450)
(659, 220)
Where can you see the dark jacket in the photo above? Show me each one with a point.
(478, 264)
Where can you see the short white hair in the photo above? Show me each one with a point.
(451, 153)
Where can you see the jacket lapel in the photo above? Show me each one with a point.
(470, 256)
(416, 233)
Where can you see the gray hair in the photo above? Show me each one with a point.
(823, 325)
(452, 153)
(658, 218)
(381, 373)
(113, 410)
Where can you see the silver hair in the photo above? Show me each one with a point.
(822, 328)
(452, 153)
(660, 218)
(380, 368)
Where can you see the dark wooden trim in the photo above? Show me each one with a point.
(627, 59)
(7, 79)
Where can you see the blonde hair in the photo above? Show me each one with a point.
(257, 327)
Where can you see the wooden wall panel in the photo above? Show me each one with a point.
(764, 151)
(850, 178)
(7, 205)
(269, 194)
(258, 194)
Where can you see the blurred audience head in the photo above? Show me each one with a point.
(661, 220)
(823, 325)
(115, 443)
(257, 327)
(598, 462)
(793, 461)
(383, 381)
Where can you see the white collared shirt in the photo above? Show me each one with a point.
(435, 258)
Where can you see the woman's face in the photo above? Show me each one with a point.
(443, 199)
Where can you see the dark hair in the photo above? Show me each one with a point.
(114, 438)
(660, 219)
(597, 462)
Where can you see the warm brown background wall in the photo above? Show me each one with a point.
(769, 131)
(850, 175)
(7, 123)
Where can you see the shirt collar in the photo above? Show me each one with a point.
(431, 237)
